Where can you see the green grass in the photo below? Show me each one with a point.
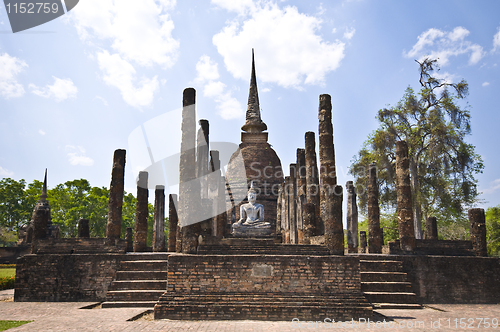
(8, 324)
(7, 273)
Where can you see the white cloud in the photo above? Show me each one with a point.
(61, 89)
(76, 156)
(140, 36)
(213, 89)
(445, 77)
(494, 186)
(485, 84)
(121, 74)
(349, 33)
(10, 67)
(41, 132)
(496, 41)
(104, 101)
(207, 69)
(238, 6)
(5, 173)
(288, 49)
(228, 107)
(442, 45)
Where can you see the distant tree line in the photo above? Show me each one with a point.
(68, 202)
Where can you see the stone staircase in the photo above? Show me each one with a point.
(140, 281)
(386, 286)
(271, 306)
(260, 247)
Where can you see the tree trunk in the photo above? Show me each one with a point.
(417, 208)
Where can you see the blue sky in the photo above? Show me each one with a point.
(74, 89)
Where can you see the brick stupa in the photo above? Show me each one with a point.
(261, 163)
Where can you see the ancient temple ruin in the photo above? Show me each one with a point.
(300, 264)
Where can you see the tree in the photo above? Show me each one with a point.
(12, 213)
(442, 164)
(493, 230)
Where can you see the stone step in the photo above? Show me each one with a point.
(287, 299)
(138, 285)
(134, 295)
(143, 265)
(260, 306)
(276, 249)
(274, 312)
(383, 276)
(135, 256)
(380, 266)
(397, 306)
(129, 304)
(378, 286)
(390, 297)
(141, 275)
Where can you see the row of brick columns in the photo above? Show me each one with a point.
(201, 189)
(310, 202)
(113, 229)
(405, 212)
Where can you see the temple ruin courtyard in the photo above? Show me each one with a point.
(286, 264)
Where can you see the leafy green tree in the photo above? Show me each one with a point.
(442, 163)
(493, 230)
(12, 214)
(68, 203)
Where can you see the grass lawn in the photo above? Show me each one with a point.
(7, 324)
(9, 272)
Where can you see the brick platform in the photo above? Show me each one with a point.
(263, 287)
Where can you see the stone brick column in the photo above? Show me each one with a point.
(332, 218)
(141, 214)
(189, 189)
(284, 210)
(114, 225)
(328, 176)
(216, 192)
(352, 218)
(362, 241)
(279, 210)
(159, 223)
(375, 241)
(178, 239)
(431, 231)
(129, 239)
(477, 223)
(301, 192)
(202, 149)
(292, 207)
(287, 193)
(312, 180)
(172, 222)
(404, 198)
(308, 216)
(83, 228)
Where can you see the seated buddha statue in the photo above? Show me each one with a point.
(251, 221)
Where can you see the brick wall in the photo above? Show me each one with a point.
(60, 278)
(263, 274)
(444, 279)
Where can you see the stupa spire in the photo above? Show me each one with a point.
(43, 196)
(254, 123)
